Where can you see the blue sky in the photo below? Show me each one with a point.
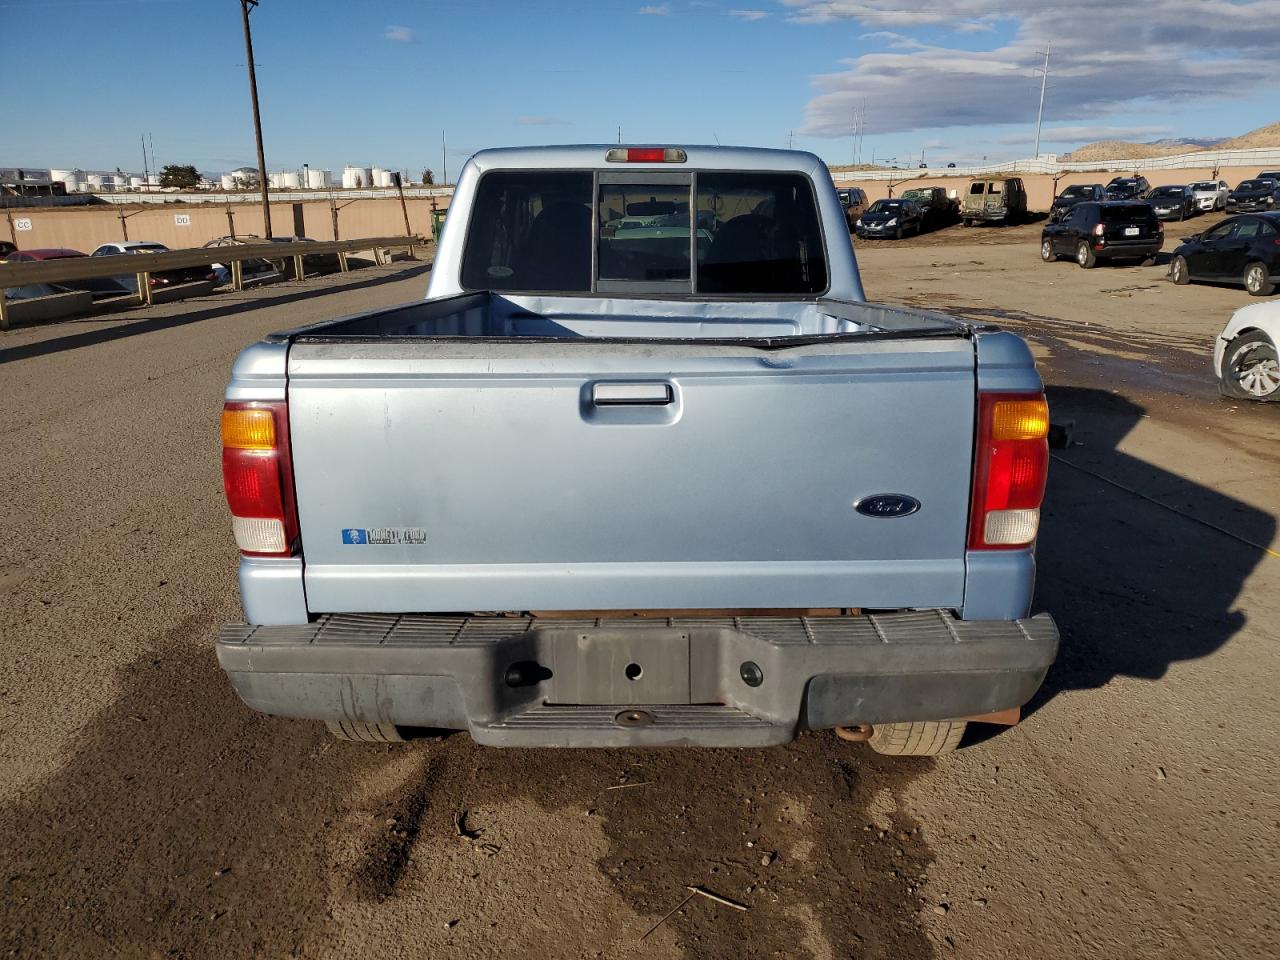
(374, 83)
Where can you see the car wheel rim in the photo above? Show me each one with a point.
(1177, 270)
(1256, 370)
(1253, 279)
(1082, 253)
(1046, 250)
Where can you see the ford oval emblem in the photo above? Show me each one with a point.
(887, 505)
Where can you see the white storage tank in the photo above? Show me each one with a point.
(71, 179)
(228, 182)
(137, 183)
(349, 175)
(273, 180)
(382, 178)
(94, 180)
(289, 180)
(318, 179)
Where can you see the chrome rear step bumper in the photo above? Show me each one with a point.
(733, 681)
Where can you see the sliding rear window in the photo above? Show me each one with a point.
(645, 232)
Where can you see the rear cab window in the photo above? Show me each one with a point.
(645, 232)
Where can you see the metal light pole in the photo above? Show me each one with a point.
(257, 120)
(1044, 80)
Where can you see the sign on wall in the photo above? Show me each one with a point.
(182, 219)
(22, 223)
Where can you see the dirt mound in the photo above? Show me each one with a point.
(1268, 136)
(1122, 150)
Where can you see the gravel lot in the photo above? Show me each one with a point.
(145, 813)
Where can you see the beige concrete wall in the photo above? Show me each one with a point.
(84, 228)
(1040, 186)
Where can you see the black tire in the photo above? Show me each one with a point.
(926, 738)
(364, 732)
(1257, 280)
(1085, 256)
(1047, 253)
(1240, 377)
(1179, 271)
(898, 234)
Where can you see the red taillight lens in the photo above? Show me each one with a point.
(257, 476)
(1099, 230)
(1010, 469)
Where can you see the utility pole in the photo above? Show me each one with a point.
(1044, 81)
(146, 171)
(403, 209)
(619, 133)
(444, 157)
(257, 119)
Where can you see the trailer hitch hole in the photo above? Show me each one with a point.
(633, 671)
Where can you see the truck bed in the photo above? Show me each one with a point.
(490, 315)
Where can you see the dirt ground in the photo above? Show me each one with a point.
(144, 812)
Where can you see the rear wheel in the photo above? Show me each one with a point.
(1178, 271)
(1085, 256)
(1047, 253)
(926, 738)
(1249, 368)
(364, 732)
(1257, 280)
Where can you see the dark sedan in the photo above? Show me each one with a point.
(1074, 194)
(1243, 250)
(1173, 202)
(1112, 230)
(1253, 195)
(890, 218)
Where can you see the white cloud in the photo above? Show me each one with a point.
(1108, 58)
(541, 122)
(400, 34)
(656, 10)
(750, 15)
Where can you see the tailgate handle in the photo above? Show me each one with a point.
(619, 394)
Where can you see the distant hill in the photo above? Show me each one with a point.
(1268, 136)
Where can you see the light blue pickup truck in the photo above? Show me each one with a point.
(616, 486)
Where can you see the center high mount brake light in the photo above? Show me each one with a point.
(646, 155)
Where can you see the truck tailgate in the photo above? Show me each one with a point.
(489, 475)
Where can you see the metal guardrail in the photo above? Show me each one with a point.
(94, 268)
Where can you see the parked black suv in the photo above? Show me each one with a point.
(1076, 193)
(1127, 188)
(1112, 230)
(1251, 195)
(1243, 250)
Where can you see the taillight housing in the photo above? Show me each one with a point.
(257, 474)
(1099, 229)
(1009, 472)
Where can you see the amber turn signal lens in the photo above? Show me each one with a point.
(248, 429)
(1020, 419)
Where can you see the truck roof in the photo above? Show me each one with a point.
(592, 156)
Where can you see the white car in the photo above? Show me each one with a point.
(1244, 355)
(1210, 194)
